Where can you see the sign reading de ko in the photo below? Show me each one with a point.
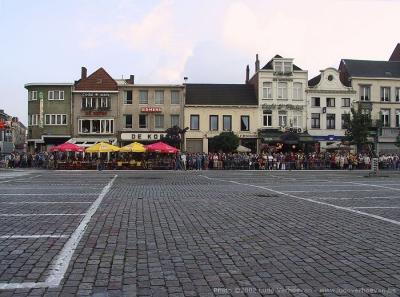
(142, 136)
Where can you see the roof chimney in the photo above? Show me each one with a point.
(83, 72)
(247, 74)
(132, 79)
(257, 63)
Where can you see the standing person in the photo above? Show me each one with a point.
(178, 162)
(99, 164)
(183, 159)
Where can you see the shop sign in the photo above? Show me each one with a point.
(142, 136)
(96, 95)
(150, 109)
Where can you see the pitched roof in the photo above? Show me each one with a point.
(220, 94)
(314, 81)
(396, 54)
(99, 80)
(270, 66)
(365, 68)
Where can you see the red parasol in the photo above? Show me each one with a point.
(161, 147)
(67, 147)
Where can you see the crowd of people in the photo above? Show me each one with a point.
(284, 161)
(217, 161)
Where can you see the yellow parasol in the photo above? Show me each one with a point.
(102, 147)
(134, 147)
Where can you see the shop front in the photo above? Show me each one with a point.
(290, 140)
(127, 137)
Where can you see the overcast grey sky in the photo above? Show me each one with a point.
(163, 41)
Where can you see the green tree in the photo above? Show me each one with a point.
(358, 127)
(174, 136)
(226, 142)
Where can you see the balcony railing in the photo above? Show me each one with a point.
(98, 108)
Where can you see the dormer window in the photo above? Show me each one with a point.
(283, 67)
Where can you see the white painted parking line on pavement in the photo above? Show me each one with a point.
(358, 198)
(46, 194)
(39, 214)
(390, 207)
(60, 265)
(376, 186)
(31, 236)
(47, 202)
(327, 191)
(311, 200)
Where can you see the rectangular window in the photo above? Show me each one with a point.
(330, 102)
(297, 120)
(282, 119)
(345, 120)
(245, 123)
(385, 94)
(282, 90)
(345, 102)
(315, 102)
(143, 97)
(267, 90)
(227, 123)
(297, 91)
(287, 67)
(55, 119)
(159, 121)
(330, 121)
(365, 93)
(55, 95)
(397, 118)
(267, 118)
(143, 121)
(175, 120)
(34, 95)
(33, 119)
(94, 126)
(159, 99)
(315, 120)
(397, 94)
(175, 97)
(278, 66)
(128, 121)
(128, 97)
(213, 123)
(385, 117)
(194, 122)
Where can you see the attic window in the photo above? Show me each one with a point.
(330, 77)
(99, 81)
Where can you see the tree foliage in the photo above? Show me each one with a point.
(174, 136)
(226, 142)
(358, 127)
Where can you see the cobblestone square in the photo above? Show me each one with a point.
(199, 233)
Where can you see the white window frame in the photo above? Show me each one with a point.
(55, 119)
(364, 94)
(51, 95)
(282, 119)
(269, 118)
(159, 116)
(334, 121)
(297, 120)
(385, 117)
(297, 91)
(33, 119)
(313, 101)
(344, 100)
(385, 94)
(126, 97)
(267, 90)
(178, 117)
(147, 96)
(34, 95)
(106, 126)
(162, 97)
(282, 92)
(178, 102)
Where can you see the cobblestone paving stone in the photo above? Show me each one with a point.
(181, 234)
